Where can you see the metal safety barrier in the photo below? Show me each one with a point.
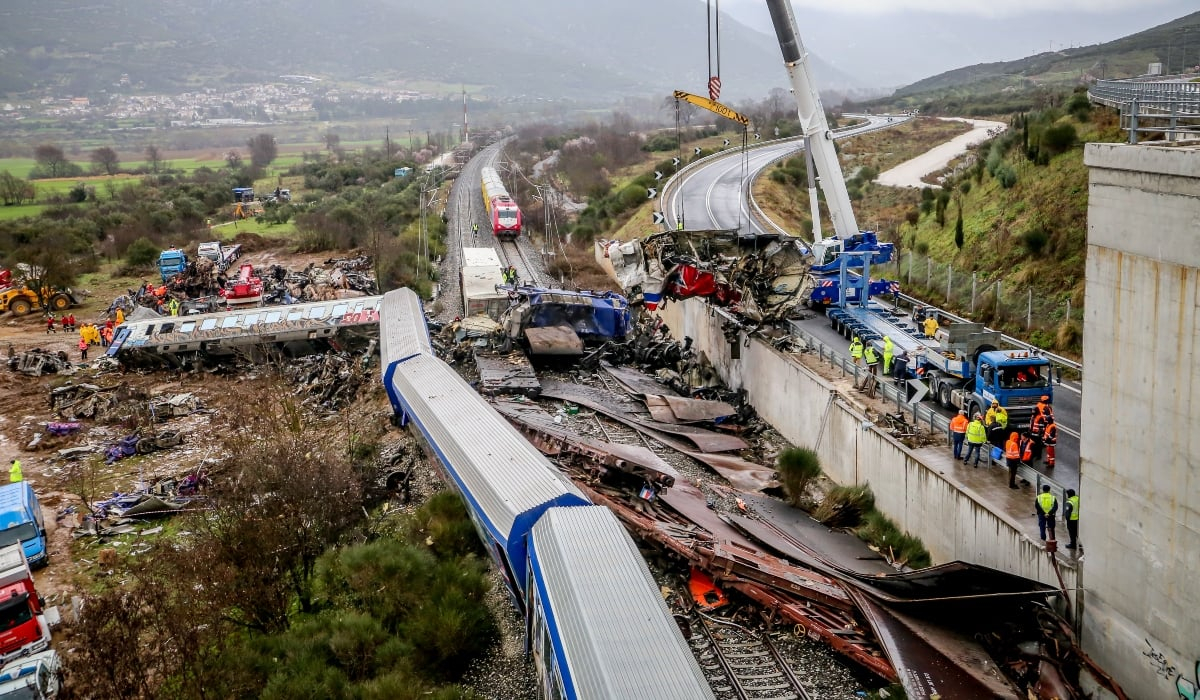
(1167, 105)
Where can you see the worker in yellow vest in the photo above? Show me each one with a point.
(1071, 515)
(1047, 507)
(976, 438)
(856, 350)
(889, 351)
(14, 472)
(871, 359)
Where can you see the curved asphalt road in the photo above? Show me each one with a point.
(714, 195)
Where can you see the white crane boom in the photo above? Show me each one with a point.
(812, 120)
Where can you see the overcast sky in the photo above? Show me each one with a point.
(895, 42)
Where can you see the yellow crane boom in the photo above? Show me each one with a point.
(713, 106)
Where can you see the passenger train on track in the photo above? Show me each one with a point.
(503, 212)
(595, 623)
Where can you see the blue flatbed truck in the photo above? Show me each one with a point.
(961, 367)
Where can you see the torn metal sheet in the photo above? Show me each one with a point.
(743, 475)
(636, 382)
(554, 340)
(659, 410)
(696, 410)
(926, 673)
(553, 439)
(705, 440)
(507, 374)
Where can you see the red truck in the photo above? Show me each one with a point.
(23, 626)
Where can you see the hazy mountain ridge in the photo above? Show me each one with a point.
(532, 47)
(1120, 58)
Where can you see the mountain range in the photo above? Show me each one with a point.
(538, 48)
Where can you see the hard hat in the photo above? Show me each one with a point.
(1045, 398)
(995, 403)
(962, 412)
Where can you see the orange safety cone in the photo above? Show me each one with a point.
(704, 591)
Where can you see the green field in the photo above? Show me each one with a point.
(10, 213)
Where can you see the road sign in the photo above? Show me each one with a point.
(757, 136)
(659, 218)
(697, 149)
(714, 88)
(675, 162)
(725, 141)
(657, 175)
(651, 192)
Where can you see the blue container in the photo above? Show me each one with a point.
(997, 454)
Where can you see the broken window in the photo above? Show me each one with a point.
(317, 312)
(251, 319)
(339, 310)
(295, 315)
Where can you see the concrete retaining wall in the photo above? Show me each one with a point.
(952, 523)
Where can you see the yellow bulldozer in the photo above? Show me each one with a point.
(22, 300)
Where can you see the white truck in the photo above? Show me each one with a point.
(34, 677)
(222, 256)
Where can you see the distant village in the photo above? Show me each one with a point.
(291, 96)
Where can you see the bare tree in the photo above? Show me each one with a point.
(332, 141)
(49, 263)
(153, 158)
(233, 159)
(263, 150)
(52, 159)
(14, 190)
(106, 160)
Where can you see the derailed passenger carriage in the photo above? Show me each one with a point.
(597, 626)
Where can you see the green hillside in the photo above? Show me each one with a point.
(1022, 84)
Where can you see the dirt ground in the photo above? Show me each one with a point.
(75, 565)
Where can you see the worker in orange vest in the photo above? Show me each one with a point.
(1050, 438)
(958, 432)
(1037, 428)
(1012, 456)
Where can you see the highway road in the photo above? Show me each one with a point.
(714, 195)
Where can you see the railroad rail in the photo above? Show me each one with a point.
(511, 254)
(740, 662)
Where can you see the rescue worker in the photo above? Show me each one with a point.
(1037, 428)
(889, 352)
(474, 228)
(1050, 439)
(14, 472)
(1071, 516)
(1026, 448)
(958, 432)
(1047, 507)
(1043, 407)
(106, 336)
(173, 306)
(871, 358)
(931, 326)
(83, 346)
(50, 325)
(856, 351)
(976, 439)
(1012, 458)
(120, 316)
(71, 321)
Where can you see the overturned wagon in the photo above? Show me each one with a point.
(291, 331)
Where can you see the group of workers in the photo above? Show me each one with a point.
(510, 276)
(1026, 446)
(865, 352)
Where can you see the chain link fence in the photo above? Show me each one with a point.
(1049, 322)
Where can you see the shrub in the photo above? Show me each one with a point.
(1005, 175)
(1059, 138)
(845, 506)
(912, 216)
(901, 547)
(922, 248)
(141, 253)
(1035, 240)
(798, 466)
(965, 187)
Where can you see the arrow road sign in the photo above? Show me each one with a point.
(725, 141)
(651, 192)
(697, 149)
(675, 162)
(659, 218)
(657, 175)
(757, 136)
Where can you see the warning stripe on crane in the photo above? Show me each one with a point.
(714, 88)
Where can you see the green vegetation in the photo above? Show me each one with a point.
(284, 590)
(798, 467)
(853, 507)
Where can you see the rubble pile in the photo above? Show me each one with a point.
(37, 362)
(166, 496)
(332, 380)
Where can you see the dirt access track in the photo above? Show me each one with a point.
(26, 410)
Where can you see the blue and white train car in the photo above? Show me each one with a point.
(597, 626)
(505, 481)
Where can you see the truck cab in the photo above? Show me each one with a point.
(1017, 379)
(23, 627)
(34, 677)
(171, 262)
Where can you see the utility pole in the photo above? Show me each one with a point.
(466, 128)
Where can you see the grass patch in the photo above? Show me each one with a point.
(853, 508)
(17, 212)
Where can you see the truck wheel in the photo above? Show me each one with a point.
(972, 409)
(60, 302)
(20, 307)
(944, 396)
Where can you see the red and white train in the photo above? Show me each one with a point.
(502, 209)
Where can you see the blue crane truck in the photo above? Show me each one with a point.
(961, 367)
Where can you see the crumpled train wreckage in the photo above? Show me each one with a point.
(763, 277)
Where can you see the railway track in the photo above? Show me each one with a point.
(740, 662)
(511, 254)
